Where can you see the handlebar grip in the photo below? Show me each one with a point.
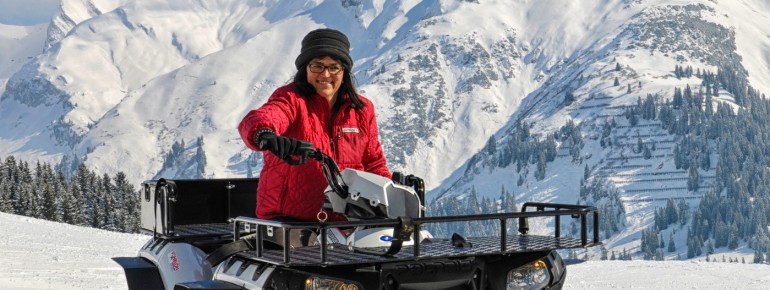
(303, 150)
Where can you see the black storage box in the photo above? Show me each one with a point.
(168, 205)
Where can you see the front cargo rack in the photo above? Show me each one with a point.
(327, 254)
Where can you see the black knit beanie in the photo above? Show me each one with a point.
(324, 42)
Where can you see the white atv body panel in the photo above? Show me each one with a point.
(178, 262)
(371, 190)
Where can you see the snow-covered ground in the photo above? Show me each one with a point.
(38, 254)
(667, 275)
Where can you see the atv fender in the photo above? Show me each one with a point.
(140, 273)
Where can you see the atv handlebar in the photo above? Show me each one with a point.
(303, 151)
(330, 169)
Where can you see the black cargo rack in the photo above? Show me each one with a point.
(197, 231)
(338, 254)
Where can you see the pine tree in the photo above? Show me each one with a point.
(646, 153)
(5, 202)
(682, 209)
(50, 203)
(109, 195)
(491, 147)
(84, 195)
(200, 157)
(30, 201)
(73, 208)
(672, 214)
(98, 204)
(472, 204)
(540, 171)
(568, 99)
(122, 212)
(671, 246)
(734, 239)
(693, 179)
(27, 199)
(11, 173)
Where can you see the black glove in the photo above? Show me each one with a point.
(398, 178)
(283, 147)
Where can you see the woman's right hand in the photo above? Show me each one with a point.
(283, 147)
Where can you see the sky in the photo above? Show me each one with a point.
(27, 12)
(39, 254)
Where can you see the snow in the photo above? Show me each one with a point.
(666, 275)
(38, 254)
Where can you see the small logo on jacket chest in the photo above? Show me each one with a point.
(349, 130)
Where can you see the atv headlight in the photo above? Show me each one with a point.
(317, 283)
(531, 276)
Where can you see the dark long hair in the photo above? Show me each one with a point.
(348, 85)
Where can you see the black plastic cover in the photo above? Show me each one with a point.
(140, 273)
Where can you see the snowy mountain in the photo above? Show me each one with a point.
(156, 88)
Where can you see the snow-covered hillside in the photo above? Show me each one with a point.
(37, 254)
(592, 91)
(117, 83)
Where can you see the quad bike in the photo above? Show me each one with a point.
(205, 236)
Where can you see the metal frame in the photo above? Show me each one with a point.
(337, 254)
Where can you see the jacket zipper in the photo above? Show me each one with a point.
(332, 138)
(331, 133)
(332, 128)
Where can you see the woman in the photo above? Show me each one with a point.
(322, 106)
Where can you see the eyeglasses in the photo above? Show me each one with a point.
(318, 68)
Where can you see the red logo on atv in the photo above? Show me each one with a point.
(174, 261)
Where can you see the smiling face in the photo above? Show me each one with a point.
(325, 83)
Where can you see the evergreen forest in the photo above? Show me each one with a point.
(84, 198)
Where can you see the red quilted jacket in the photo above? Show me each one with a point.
(351, 139)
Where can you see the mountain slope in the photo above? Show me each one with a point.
(594, 94)
(119, 84)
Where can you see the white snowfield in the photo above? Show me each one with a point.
(678, 275)
(38, 254)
